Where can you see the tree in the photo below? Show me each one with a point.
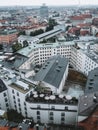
(25, 43)
(17, 46)
(37, 32)
(21, 33)
(44, 41)
(52, 22)
(13, 115)
(67, 28)
(48, 28)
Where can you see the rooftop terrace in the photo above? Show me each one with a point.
(51, 99)
(22, 86)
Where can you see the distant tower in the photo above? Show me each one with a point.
(44, 11)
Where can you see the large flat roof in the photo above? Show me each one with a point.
(52, 71)
(43, 35)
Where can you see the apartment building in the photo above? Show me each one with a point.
(23, 94)
(39, 53)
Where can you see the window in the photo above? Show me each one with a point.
(66, 108)
(7, 104)
(14, 102)
(13, 97)
(26, 113)
(51, 113)
(18, 100)
(17, 94)
(62, 114)
(24, 103)
(62, 119)
(19, 104)
(38, 112)
(13, 91)
(15, 106)
(6, 100)
(25, 108)
(4, 94)
(38, 106)
(51, 118)
(20, 109)
(52, 107)
(38, 117)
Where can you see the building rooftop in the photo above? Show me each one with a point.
(2, 86)
(52, 71)
(43, 35)
(7, 32)
(3, 122)
(14, 61)
(28, 38)
(92, 55)
(22, 85)
(92, 82)
(87, 103)
(27, 50)
(51, 99)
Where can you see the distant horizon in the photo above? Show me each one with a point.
(46, 5)
(48, 2)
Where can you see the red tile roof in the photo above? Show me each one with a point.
(2, 21)
(81, 17)
(84, 32)
(84, 25)
(77, 18)
(73, 30)
(86, 15)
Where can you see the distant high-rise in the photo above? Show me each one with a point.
(44, 11)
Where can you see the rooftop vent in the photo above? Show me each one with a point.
(58, 69)
(85, 104)
(57, 61)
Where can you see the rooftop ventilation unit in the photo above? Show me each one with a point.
(22, 85)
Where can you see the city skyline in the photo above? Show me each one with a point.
(48, 2)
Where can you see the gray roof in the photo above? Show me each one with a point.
(89, 101)
(3, 122)
(43, 35)
(16, 62)
(87, 104)
(52, 71)
(6, 32)
(92, 81)
(2, 86)
(23, 126)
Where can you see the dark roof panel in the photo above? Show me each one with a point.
(2, 86)
(52, 71)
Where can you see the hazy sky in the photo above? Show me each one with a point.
(48, 2)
